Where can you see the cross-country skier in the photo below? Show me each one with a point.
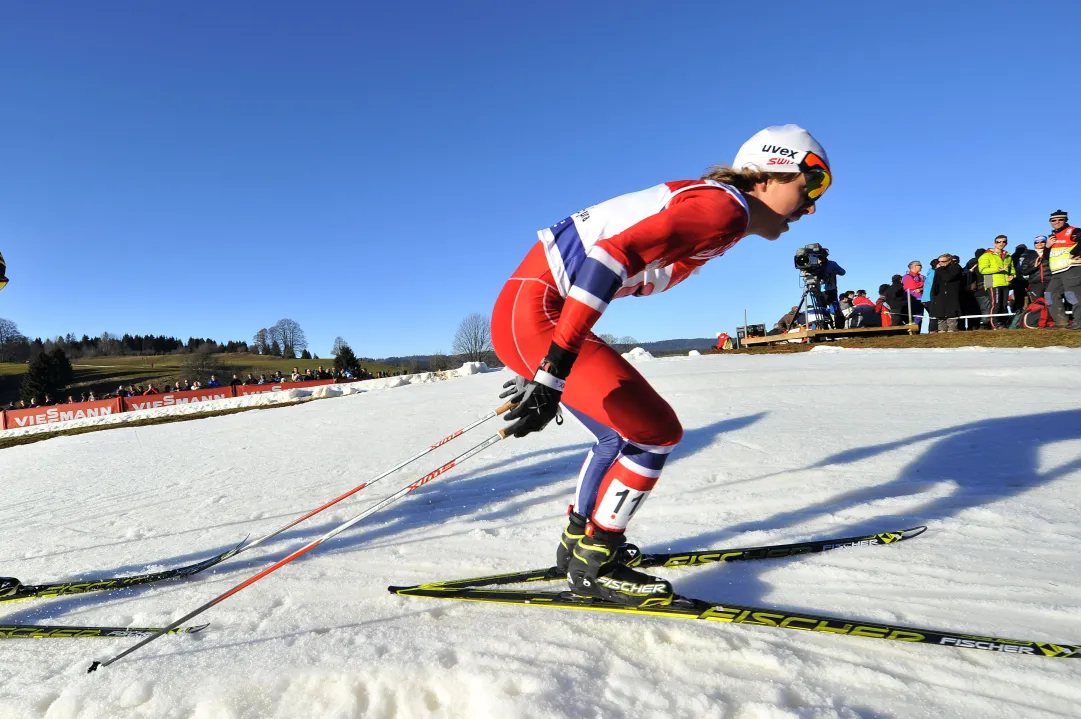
(636, 244)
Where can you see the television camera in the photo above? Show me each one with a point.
(819, 285)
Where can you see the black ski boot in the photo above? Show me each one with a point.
(576, 529)
(595, 570)
(9, 586)
(627, 553)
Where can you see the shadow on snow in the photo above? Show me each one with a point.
(499, 490)
(984, 462)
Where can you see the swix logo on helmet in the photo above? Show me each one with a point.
(780, 161)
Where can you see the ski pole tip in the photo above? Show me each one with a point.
(93, 667)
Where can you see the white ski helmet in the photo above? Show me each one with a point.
(781, 148)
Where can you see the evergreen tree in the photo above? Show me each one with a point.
(64, 374)
(49, 373)
(305, 355)
(345, 359)
(275, 349)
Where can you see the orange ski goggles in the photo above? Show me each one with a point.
(818, 176)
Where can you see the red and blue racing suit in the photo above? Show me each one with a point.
(635, 244)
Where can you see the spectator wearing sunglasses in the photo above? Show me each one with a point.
(1064, 260)
(1033, 267)
(998, 271)
(946, 293)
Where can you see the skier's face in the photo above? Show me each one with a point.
(785, 203)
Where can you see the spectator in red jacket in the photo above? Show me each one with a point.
(882, 306)
(863, 311)
(150, 389)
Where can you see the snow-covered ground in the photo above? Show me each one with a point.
(981, 445)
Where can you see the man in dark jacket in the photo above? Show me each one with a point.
(785, 323)
(1019, 285)
(975, 299)
(1033, 267)
(897, 299)
(946, 293)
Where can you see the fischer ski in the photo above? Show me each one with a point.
(476, 590)
(29, 631)
(686, 608)
(698, 558)
(60, 589)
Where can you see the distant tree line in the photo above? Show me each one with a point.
(284, 339)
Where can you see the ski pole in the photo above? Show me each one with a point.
(501, 434)
(453, 435)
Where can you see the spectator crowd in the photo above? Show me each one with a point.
(183, 385)
(995, 289)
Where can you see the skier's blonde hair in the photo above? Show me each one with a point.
(744, 180)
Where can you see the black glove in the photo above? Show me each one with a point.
(538, 402)
(514, 389)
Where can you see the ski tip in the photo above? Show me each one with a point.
(397, 590)
(913, 532)
(93, 667)
(196, 628)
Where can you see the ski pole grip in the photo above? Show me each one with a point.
(505, 408)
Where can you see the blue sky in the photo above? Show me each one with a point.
(377, 171)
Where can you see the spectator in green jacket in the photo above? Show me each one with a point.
(998, 272)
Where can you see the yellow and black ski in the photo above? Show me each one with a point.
(689, 559)
(479, 589)
(26, 631)
(62, 589)
(685, 608)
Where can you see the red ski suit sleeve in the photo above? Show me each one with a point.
(697, 225)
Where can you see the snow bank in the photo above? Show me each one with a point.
(694, 353)
(637, 355)
(471, 368)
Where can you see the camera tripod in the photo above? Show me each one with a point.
(819, 314)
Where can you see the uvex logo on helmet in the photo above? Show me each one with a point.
(778, 150)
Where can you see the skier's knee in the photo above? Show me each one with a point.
(666, 434)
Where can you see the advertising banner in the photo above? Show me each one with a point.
(16, 418)
(172, 399)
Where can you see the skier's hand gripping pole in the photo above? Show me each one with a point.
(310, 546)
(537, 402)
